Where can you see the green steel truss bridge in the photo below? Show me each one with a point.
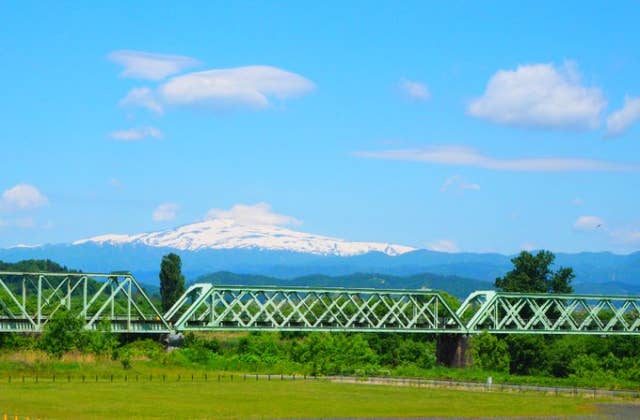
(117, 302)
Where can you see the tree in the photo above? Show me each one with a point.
(527, 353)
(490, 353)
(64, 332)
(171, 280)
(532, 273)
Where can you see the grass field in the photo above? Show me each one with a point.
(266, 399)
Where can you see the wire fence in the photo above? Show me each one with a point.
(246, 377)
(150, 378)
(492, 387)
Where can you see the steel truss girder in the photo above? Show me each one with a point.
(29, 300)
(518, 313)
(115, 301)
(208, 307)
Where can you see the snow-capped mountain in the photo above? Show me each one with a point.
(226, 234)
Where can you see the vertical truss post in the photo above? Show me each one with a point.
(111, 298)
(212, 307)
(24, 292)
(39, 304)
(85, 279)
(129, 303)
(68, 280)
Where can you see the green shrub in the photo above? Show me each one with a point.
(64, 332)
(490, 353)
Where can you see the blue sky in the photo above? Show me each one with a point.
(456, 126)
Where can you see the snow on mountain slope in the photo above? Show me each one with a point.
(226, 234)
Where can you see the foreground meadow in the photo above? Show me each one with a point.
(246, 399)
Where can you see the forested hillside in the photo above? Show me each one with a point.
(455, 285)
(31, 266)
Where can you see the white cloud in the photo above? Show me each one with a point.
(250, 87)
(619, 121)
(587, 223)
(459, 183)
(115, 183)
(138, 133)
(626, 236)
(416, 91)
(144, 65)
(165, 212)
(577, 201)
(22, 197)
(443, 245)
(540, 95)
(257, 214)
(25, 223)
(465, 156)
(142, 97)
(528, 246)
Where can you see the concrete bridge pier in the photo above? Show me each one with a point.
(452, 350)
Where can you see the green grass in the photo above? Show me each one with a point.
(266, 399)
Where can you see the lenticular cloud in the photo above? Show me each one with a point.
(250, 86)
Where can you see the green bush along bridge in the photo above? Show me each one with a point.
(116, 301)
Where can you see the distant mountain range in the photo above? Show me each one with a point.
(225, 234)
(457, 286)
(220, 245)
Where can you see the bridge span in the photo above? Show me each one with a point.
(117, 302)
